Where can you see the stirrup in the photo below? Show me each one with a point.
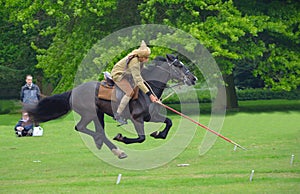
(120, 119)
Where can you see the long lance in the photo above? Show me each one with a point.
(201, 125)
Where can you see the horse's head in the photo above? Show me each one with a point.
(164, 69)
(168, 68)
(178, 71)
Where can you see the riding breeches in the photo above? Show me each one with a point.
(125, 86)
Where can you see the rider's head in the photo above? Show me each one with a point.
(143, 52)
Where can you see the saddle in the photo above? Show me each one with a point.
(108, 90)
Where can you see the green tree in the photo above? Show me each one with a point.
(73, 26)
(235, 37)
(262, 35)
(218, 25)
(279, 66)
(17, 58)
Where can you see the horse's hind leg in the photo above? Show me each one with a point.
(99, 125)
(81, 127)
(161, 134)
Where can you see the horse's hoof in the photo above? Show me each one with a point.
(158, 135)
(154, 134)
(118, 137)
(122, 155)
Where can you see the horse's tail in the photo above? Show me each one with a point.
(51, 107)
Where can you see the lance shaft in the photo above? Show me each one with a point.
(201, 125)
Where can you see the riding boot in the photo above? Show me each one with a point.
(124, 101)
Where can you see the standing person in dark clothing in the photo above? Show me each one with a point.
(30, 93)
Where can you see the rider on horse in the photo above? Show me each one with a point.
(131, 65)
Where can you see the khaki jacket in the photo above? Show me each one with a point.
(134, 68)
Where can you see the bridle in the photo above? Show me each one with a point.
(173, 72)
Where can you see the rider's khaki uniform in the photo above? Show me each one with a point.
(130, 65)
(121, 69)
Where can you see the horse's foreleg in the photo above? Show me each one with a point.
(139, 127)
(164, 133)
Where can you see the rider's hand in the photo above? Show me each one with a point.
(153, 98)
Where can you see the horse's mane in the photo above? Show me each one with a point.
(160, 58)
(156, 61)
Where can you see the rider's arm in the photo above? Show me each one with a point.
(135, 70)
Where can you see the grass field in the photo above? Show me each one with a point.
(59, 162)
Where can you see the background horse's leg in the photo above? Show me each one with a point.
(81, 127)
(139, 127)
(160, 118)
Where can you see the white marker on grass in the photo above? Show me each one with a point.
(119, 179)
(181, 165)
(292, 159)
(251, 175)
(234, 149)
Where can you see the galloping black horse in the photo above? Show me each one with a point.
(84, 100)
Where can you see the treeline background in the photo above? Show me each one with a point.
(255, 43)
